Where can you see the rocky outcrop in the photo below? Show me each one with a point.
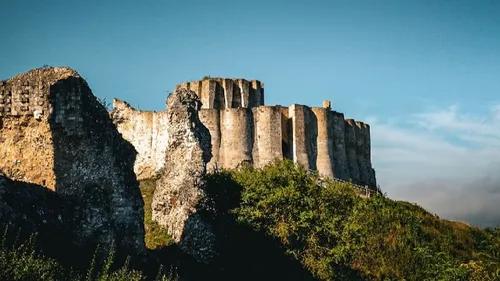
(55, 133)
(179, 190)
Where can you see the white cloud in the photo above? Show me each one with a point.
(447, 160)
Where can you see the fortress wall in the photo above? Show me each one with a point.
(196, 87)
(211, 119)
(159, 140)
(305, 133)
(373, 182)
(324, 161)
(237, 95)
(318, 138)
(26, 145)
(268, 135)
(219, 98)
(351, 150)
(337, 126)
(146, 130)
(362, 153)
(244, 87)
(286, 133)
(221, 93)
(207, 97)
(236, 137)
(256, 95)
(229, 92)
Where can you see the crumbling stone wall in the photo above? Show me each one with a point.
(179, 191)
(242, 129)
(146, 130)
(54, 132)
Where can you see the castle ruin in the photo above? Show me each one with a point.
(54, 133)
(244, 130)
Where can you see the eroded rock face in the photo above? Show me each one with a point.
(179, 190)
(54, 132)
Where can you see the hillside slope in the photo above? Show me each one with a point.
(334, 234)
(283, 223)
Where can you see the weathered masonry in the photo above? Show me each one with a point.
(243, 129)
(56, 134)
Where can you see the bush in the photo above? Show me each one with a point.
(22, 262)
(337, 235)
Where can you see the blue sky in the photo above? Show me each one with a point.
(424, 74)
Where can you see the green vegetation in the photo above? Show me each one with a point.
(337, 235)
(284, 223)
(156, 237)
(23, 262)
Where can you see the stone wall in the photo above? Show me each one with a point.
(180, 189)
(211, 119)
(268, 138)
(146, 130)
(244, 130)
(236, 137)
(337, 126)
(221, 93)
(325, 153)
(54, 133)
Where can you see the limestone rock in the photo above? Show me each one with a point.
(179, 190)
(55, 133)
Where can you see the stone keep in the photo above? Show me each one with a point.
(243, 129)
(54, 133)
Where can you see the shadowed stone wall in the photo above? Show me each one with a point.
(179, 190)
(54, 133)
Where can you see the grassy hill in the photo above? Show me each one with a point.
(284, 223)
(336, 234)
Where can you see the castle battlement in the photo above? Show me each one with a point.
(243, 129)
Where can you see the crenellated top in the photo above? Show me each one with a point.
(222, 93)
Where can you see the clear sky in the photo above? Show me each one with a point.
(424, 74)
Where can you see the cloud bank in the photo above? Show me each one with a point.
(446, 160)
